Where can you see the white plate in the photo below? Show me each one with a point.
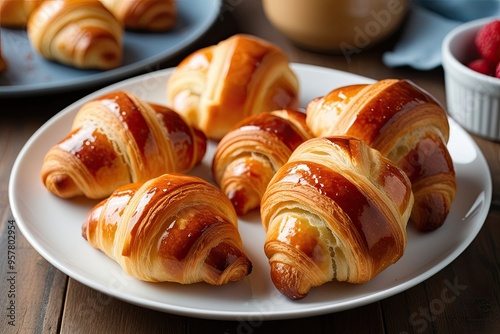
(52, 226)
(29, 74)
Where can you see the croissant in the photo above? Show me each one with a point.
(216, 87)
(405, 124)
(118, 139)
(248, 156)
(147, 15)
(78, 33)
(337, 210)
(175, 228)
(15, 13)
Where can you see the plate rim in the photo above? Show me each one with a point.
(238, 315)
(121, 72)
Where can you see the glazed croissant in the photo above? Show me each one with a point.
(337, 210)
(174, 228)
(248, 156)
(220, 85)
(405, 124)
(79, 33)
(147, 15)
(15, 13)
(118, 139)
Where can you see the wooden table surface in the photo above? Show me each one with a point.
(48, 301)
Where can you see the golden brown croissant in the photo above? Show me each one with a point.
(220, 85)
(148, 15)
(118, 139)
(248, 156)
(405, 124)
(175, 228)
(15, 13)
(337, 210)
(79, 33)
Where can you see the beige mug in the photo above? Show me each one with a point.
(336, 25)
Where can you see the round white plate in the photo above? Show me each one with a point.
(29, 74)
(53, 226)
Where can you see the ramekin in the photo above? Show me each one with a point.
(473, 99)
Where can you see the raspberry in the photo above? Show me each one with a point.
(488, 41)
(482, 66)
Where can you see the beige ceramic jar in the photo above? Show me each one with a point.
(336, 25)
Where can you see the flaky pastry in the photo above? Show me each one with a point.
(337, 210)
(78, 33)
(172, 228)
(146, 15)
(249, 155)
(408, 126)
(117, 139)
(216, 87)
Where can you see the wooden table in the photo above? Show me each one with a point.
(47, 301)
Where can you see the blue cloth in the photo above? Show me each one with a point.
(428, 24)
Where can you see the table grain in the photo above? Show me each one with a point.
(48, 301)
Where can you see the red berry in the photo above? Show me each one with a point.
(488, 41)
(481, 66)
(497, 71)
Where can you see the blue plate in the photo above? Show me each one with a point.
(29, 74)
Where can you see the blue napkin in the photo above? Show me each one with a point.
(428, 24)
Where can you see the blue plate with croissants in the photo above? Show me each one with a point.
(53, 225)
(30, 72)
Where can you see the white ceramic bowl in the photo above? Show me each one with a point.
(473, 98)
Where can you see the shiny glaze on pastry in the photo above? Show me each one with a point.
(146, 15)
(77, 33)
(117, 139)
(216, 87)
(406, 125)
(337, 210)
(172, 228)
(248, 156)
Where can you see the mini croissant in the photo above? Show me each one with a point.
(118, 139)
(15, 13)
(173, 228)
(337, 210)
(406, 125)
(249, 155)
(216, 87)
(147, 15)
(78, 33)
